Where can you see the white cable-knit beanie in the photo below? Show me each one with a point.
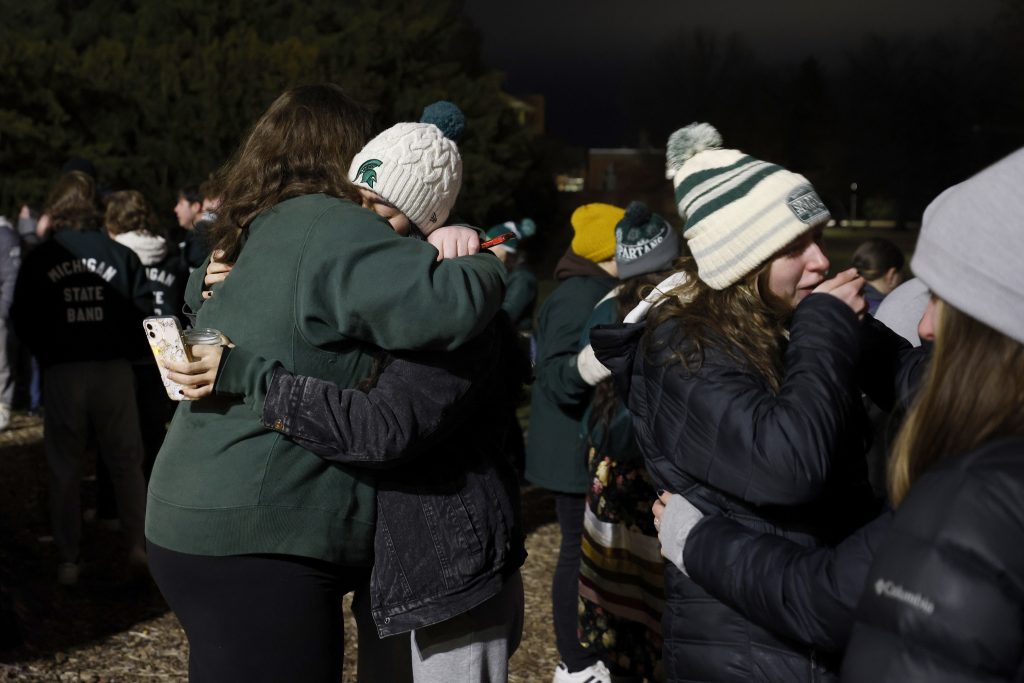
(416, 167)
(970, 251)
(738, 210)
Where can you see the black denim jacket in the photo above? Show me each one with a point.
(437, 424)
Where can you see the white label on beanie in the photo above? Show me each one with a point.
(805, 204)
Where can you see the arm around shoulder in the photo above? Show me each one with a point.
(390, 291)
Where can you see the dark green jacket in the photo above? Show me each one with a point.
(318, 286)
(521, 298)
(560, 396)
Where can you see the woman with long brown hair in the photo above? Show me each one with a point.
(939, 602)
(742, 386)
(252, 539)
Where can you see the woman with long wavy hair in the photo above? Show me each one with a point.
(253, 539)
(742, 385)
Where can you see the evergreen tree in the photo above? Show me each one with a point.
(158, 93)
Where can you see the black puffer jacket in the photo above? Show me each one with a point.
(435, 431)
(944, 600)
(807, 594)
(788, 463)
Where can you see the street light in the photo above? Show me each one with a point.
(853, 201)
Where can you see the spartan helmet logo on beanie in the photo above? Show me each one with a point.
(738, 210)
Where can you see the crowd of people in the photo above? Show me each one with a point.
(764, 468)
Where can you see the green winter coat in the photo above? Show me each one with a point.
(319, 285)
(560, 396)
(521, 298)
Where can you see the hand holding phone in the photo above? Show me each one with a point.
(164, 335)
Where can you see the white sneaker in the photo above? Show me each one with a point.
(67, 573)
(5, 416)
(595, 673)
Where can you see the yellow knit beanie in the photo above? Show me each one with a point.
(594, 228)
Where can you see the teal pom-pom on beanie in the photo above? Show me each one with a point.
(447, 117)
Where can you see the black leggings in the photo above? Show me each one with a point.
(565, 588)
(257, 617)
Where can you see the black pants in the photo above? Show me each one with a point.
(565, 588)
(257, 617)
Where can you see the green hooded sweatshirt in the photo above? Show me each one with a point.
(319, 285)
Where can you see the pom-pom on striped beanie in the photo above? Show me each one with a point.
(737, 210)
(416, 167)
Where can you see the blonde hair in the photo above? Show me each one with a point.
(745, 320)
(973, 392)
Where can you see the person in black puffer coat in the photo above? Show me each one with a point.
(742, 385)
(806, 594)
(944, 599)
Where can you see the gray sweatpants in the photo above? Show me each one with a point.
(100, 394)
(472, 647)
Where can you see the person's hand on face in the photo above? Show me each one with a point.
(198, 377)
(848, 287)
(216, 272)
(453, 241)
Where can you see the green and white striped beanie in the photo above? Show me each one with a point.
(737, 210)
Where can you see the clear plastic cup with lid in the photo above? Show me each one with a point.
(201, 336)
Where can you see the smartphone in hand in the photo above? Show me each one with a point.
(164, 335)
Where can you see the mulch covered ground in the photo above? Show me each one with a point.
(112, 627)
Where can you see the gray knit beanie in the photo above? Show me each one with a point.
(644, 242)
(970, 251)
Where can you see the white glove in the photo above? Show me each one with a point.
(677, 521)
(591, 369)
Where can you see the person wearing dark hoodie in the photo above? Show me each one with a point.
(587, 272)
(79, 304)
(131, 221)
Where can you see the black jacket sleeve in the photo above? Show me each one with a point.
(808, 594)
(890, 368)
(399, 416)
(725, 426)
(944, 599)
(414, 404)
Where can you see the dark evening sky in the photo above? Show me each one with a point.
(578, 53)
